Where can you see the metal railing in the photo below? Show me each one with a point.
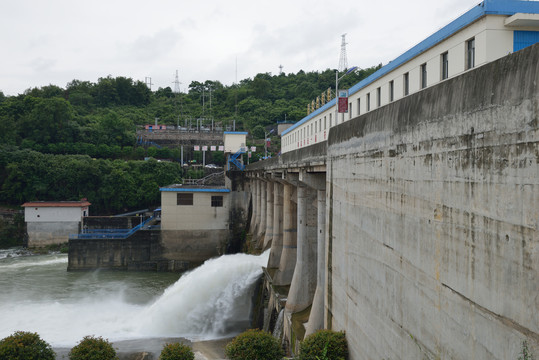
(110, 233)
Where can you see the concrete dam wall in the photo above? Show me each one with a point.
(431, 221)
(433, 209)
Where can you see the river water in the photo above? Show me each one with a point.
(37, 294)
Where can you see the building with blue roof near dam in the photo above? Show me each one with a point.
(490, 30)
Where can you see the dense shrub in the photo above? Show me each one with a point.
(93, 348)
(176, 351)
(254, 344)
(25, 346)
(324, 344)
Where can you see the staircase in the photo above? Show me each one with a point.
(234, 159)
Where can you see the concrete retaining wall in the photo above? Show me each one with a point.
(48, 233)
(433, 219)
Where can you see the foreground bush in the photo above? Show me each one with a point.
(324, 345)
(93, 348)
(25, 346)
(254, 344)
(176, 351)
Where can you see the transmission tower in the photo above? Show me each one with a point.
(176, 92)
(148, 81)
(343, 62)
(177, 84)
(280, 69)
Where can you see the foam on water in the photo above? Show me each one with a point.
(209, 302)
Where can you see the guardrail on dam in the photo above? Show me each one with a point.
(415, 227)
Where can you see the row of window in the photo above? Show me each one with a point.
(187, 199)
(302, 136)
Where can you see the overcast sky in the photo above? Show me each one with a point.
(56, 41)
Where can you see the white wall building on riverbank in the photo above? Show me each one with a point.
(51, 222)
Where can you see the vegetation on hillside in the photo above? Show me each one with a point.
(80, 141)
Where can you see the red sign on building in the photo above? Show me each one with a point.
(343, 101)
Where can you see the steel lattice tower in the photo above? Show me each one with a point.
(177, 84)
(343, 62)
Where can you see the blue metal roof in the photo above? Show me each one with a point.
(235, 132)
(195, 190)
(487, 7)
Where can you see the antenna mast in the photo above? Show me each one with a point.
(343, 62)
(280, 69)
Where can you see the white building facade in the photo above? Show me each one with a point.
(487, 32)
(51, 222)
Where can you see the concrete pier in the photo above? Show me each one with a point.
(277, 242)
(268, 236)
(316, 318)
(287, 263)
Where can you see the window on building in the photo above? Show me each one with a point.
(423, 72)
(445, 65)
(391, 90)
(217, 201)
(369, 102)
(315, 127)
(378, 97)
(184, 199)
(358, 106)
(406, 83)
(349, 110)
(325, 123)
(470, 53)
(330, 120)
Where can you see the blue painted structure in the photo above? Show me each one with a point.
(187, 189)
(110, 233)
(522, 39)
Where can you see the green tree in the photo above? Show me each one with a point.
(176, 351)
(93, 348)
(25, 346)
(254, 344)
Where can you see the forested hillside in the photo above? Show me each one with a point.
(66, 143)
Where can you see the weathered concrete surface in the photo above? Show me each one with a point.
(48, 233)
(268, 234)
(313, 156)
(195, 246)
(316, 317)
(277, 241)
(303, 283)
(141, 250)
(283, 275)
(433, 219)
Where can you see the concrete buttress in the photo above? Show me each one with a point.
(277, 242)
(316, 318)
(262, 223)
(283, 276)
(268, 237)
(256, 207)
(303, 285)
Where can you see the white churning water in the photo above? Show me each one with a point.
(37, 294)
